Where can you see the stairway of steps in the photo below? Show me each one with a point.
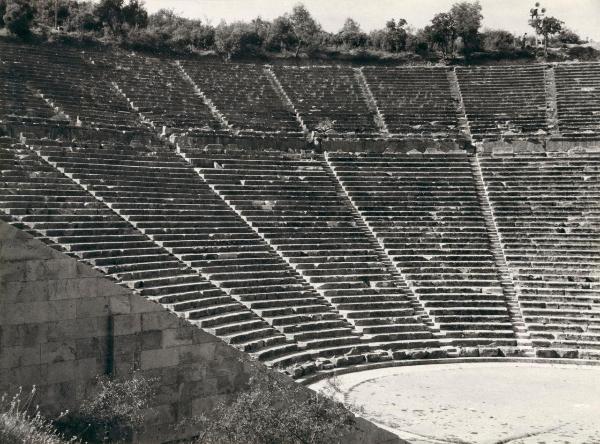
(378, 247)
(293, 204)
(371, 101)
(256, 109)
(285, 98)
(425, 211)
(546, 209)
(510, 292)
(551, 103)
(461, 114)
(61, 213)
(218, 115)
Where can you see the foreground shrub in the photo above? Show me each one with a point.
(113, 413)
(275, 411)
(19, 426)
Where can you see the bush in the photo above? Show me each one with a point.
(18, 426)
(114, 413)
(18, 17)
(567, 36)
(498, 40)
(274, 410)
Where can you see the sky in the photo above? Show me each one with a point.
(583, 16)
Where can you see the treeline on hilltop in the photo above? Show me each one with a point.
(454, 34)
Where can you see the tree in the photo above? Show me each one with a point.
(2, 12)
(237, 39)
(134, 14)
(351, 35)
(467, 21)
(281, 35)
(304, 27)
(442, 32)
(543, 25)
(395, 38)
(109, 13)
(18, 17)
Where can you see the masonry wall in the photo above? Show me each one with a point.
(62, 324)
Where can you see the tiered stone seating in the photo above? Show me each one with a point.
(245, 95)
(415, 102)
(36, 196)
(69, 83)
(158, 91)
(547, 210)
(424, 208)
(332, 93)
(578, 99)
(293, 202)
(162, 196)
(504, 101)
(20, 102)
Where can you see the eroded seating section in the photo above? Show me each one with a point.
(578, 99)
(156, 89)
(293, 202)
(20, 100)
(329, 99)
(245, 94)
(547, 210)
(415, 102)
(504, 101)
(71, 85)
(424, 208)
(38, 197)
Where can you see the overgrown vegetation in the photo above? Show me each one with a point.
(22, 423)
(271, 411)
(113, 413)
(265, 415)
(453, 34)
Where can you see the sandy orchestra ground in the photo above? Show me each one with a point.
(480, 403)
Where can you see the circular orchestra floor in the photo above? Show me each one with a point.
(478, 402)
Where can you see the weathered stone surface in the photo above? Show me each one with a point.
(85, 325)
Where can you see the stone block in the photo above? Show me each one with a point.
(438, 354)
(15, 357)
(177, 337)
(58, 372)
(400, 355)
(140, 305)
(54, 352)
(78, 328)
(168, 357)
(127, 324)
(469, 352)
(569, 354)
(37, 312)
(419, 354)
(120, 304)
(546, 353)
(485, 352)
(93, 307)
(151, 340)
(89, 369)
(23, 335)
(160, 320)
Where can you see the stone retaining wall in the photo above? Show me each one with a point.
(62, 324)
